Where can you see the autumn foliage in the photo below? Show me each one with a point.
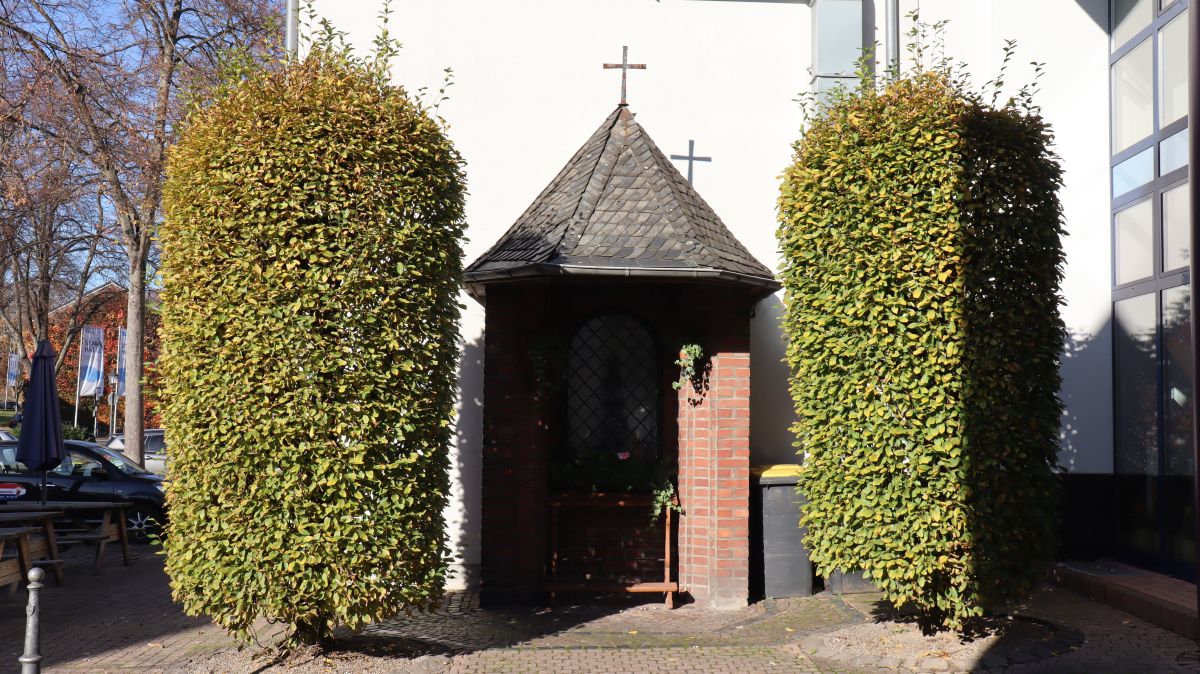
(105, 309)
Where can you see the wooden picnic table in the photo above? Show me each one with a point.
(12, 570)
(43, 549)
(109, 531)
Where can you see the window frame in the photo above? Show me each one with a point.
(1161, 280)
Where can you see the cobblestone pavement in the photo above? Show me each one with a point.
(124, 621)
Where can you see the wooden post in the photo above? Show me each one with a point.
(667, 562)
(553, 550)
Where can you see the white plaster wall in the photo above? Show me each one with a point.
(1071, 39)
(529, 90)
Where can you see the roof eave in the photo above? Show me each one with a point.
(477, 281)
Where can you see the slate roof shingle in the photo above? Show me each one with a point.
(618, 205)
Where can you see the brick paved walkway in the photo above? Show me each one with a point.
(120, 621)
(124, 621)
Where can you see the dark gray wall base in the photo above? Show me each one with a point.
(1087, 516)
(847, 582)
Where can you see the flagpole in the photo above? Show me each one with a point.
(79, 374)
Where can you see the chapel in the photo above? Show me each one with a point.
(590, 296)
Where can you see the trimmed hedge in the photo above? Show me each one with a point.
(920, 230)
(311, 269)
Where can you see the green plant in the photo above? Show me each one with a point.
(689, 354)
(311, 270)
(920, 229)
(664, 499)
(71, 432)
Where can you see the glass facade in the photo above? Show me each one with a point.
(1152, 353)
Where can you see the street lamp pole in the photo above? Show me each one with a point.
(293, 29)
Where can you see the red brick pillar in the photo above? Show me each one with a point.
(714, 484)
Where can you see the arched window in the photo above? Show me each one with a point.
(612, 388)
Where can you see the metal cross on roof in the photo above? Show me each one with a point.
(690, 158)
(625, 67)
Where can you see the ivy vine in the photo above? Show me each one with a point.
(689, 355)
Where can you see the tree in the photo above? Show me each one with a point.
(311, 270)
(121, 67)
(920, 229)
(55, 240)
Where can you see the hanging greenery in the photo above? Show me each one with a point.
(920, 228)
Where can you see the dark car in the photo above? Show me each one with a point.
(88, 473)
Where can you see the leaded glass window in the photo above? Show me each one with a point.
(612, 389)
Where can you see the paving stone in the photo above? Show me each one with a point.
(124, 621)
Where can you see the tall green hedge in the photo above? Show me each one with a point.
(920, 230)
(311, 269)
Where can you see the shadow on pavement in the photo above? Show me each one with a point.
(462, 627)
(106, 622)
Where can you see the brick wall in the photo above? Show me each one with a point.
(515, 456)
(714, 478)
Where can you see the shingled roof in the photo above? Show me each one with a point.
(621, 209)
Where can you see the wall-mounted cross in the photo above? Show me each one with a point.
(625, 67)
(690, 158)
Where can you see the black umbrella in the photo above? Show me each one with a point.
(40, 446)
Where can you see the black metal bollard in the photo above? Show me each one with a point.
(31, 660)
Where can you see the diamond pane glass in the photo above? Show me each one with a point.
(612, 389)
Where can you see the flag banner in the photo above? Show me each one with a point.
(91, 362)
(121, 363)
(14, 370)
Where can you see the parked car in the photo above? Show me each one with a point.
(89, 473)
(154, 449)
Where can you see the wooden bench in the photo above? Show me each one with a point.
(109, 529)
(14, 568)
(43, 548)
